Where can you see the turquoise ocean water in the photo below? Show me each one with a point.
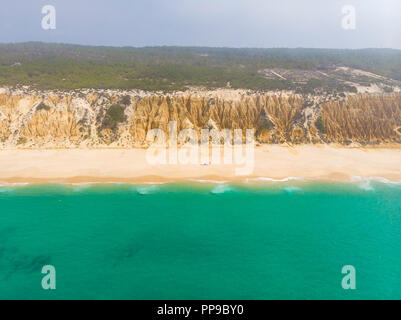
(285, 240)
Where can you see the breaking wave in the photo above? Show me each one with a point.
(277, 180)
(147, 189)
(222, 188)
(292, 189)
(208, 181)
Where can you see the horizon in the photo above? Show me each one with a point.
(200, 47)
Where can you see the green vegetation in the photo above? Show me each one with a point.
(388, 89)
(42, 106)
(266, 123)
(320, 125)
(126, 100)
(348, 142)
(68, 67)
(21, 140)
(114, 116)
(311, 85)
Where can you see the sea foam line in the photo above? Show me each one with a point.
(14, 184)
(292, 189)
(277, 180)
(376, 179)
(365, 183)
(208, 181)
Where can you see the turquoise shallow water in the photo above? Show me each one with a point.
(201, 241)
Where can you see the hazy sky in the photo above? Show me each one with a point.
(222, 23)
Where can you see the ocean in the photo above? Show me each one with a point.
(201, 240)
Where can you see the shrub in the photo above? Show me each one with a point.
(114, 116)
(267, 124)
(388, 89)
(42, 106)
(319, 123)
(126, 100)
(21, 140)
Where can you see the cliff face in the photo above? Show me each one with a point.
(30, 119)
(371, 119)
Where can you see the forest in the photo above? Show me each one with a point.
(69, 67)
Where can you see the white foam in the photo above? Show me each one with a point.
(383, 180)
(14, 184)
(292, 189)
(277, 180)
(365, 185)
(222, 188)
(208, 181)
(153, 183)
(147, 190)
(365, 182)
(91, 183)
(78, 188)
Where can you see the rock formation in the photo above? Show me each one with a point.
(112, 119)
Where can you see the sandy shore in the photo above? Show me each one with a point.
(322, 163)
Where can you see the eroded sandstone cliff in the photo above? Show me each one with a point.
(101, 119)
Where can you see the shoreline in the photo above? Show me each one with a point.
(260, 181)
(272, 164)
(201, 180)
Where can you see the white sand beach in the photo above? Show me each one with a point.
(324, 163)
